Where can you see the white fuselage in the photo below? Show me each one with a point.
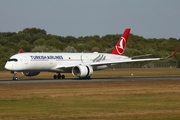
(58, 62)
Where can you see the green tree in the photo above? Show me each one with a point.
(41, 48)
(55, 43)
(69, 49)
(68, 39)
(33, 31)
(39, 42)
(25, 45)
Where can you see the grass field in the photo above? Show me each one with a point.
(129, 100)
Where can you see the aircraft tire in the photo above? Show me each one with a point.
(15, 78)
(55, 77)
(63, 76)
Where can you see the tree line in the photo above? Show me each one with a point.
(37, 40)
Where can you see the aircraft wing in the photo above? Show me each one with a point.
(123, 61)
(141, 56)
(105, 62)
(132, 60)
(63, 67)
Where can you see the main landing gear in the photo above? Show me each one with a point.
(14, 75)
(59, 76)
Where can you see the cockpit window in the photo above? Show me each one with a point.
(13, 59)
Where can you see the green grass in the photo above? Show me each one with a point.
(91, 107)
(141, 100)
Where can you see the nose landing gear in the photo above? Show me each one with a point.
(14, 75)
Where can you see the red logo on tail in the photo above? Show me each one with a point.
(120, 47)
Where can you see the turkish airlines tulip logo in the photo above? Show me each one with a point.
(120, 47)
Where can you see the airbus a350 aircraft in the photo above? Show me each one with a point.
(81, 65)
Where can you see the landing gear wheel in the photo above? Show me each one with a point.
(54, 76)
(63, 76)
(59, 76)
(14, 76)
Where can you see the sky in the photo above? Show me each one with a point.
(146, 18)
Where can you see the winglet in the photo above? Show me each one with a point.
(20, 51)
(119, 48)
(170, 55)
(173, 53)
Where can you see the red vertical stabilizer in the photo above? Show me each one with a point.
(119, 48)
(20, 51)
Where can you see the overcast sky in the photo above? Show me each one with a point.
(147, 18)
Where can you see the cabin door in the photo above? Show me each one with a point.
(25, 60)
(85, 59)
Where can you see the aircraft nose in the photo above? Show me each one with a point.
(8, 66)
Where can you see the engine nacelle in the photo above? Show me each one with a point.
(31, 73)
(82, 71)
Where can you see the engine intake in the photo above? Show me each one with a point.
(82, 71)
(31, 73)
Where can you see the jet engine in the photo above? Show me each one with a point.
(30, 73)
(82, 71)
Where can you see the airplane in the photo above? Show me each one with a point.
(81, 65)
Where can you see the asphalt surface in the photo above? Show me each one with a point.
(102, 79)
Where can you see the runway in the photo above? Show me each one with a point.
(101, 79)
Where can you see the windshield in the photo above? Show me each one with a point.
(13, 59)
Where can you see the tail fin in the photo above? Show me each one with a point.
(119, 48)
(20, 51)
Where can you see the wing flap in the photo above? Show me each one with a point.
(141, 56)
